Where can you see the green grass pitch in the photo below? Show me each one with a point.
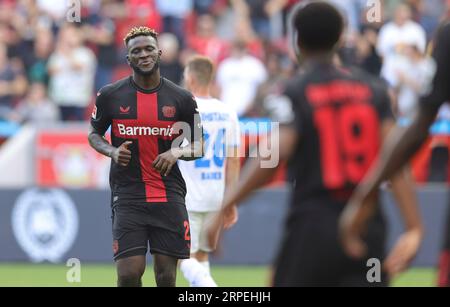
(24, 275)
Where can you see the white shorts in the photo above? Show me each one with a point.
(198, 222)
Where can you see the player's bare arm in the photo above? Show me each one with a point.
(408, 244)
(361, 205)
(233, 167)
(252, 178)
(120, 155)
(399, 147)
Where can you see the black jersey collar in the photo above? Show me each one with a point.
(146, 91)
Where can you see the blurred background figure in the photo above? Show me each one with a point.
(43, 47)
(98, 32)
(263, 105)
(252, 42)
(366, 55)
(408, 74)
(72, 71)
(238, 78)
(174, 14)
(265, 16)
(205, 6)
(170, 65)
(400, 30)
(206, 42)
(36, 108)
(56, 10)
(13, 84)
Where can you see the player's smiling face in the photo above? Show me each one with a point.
(143, 54)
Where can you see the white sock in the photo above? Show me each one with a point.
(205, 264)
(196, 274)
(190, 269)
(209, 281)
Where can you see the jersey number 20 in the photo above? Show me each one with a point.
(219, 150)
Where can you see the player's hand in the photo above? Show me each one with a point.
(403, 252)
(352, 225)
(122, 155)
(164, 162)
(230, 217)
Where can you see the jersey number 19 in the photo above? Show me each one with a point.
(349, 141)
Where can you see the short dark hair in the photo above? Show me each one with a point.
(202, 68)
(319, 26)
(140, 31)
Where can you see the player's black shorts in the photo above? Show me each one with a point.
(311, 255)
(163, 226)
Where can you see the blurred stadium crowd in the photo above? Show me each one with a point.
(50, 69)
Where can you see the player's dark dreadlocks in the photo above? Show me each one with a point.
(140, 31)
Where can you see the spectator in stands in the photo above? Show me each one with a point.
(206, 42)
(238, 78)
(36, 108)
(202, 7)
(129, 13)
(19, 48)
(170, 65)
(351, 9)
(142, 12)
(13, 84)
(430, 14)
(408, 74)
(263, 105)
(72, 71)
(263, 14)
(366, 56)
(56, 10)
(393, 35)
(174, 14)
(99, 31)
(43, 47)
(244, 33)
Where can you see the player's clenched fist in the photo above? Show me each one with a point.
(122, 155)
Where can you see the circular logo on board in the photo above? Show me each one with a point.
(45, 223)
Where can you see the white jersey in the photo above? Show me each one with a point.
(205, 178)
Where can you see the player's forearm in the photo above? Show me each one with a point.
(254, 175)
(100, 144)
(404, 192)
(397, 151)
(189, 153)
(233, 167)
(252, 178)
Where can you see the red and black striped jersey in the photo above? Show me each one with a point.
(337, 114)
(147, 118)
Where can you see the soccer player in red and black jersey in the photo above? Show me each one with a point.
(148, 116)
(330, 139)
(398, 150)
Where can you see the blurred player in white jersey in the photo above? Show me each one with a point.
(208, 179)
